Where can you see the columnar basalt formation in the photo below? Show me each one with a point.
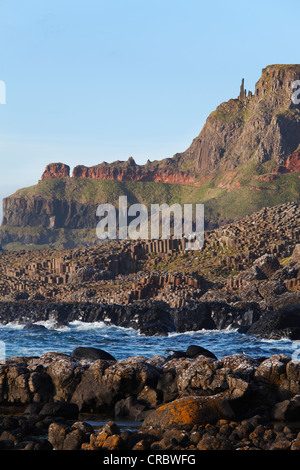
(261, 127)
(123, 272)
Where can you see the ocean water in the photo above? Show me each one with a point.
(123, 342)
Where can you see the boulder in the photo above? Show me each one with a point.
(65, 437)
(34, 326)
(89, 274)
(269, 290)
(65, 375)
(287, 410)
(268, 264)
(186, 412)
(91, 353)
(61, 409)
(193, 319)
(130, 408)
(57, 433)
(241, 365)
(103, 384)
(195, 350)
(255, 273)
(283, 323)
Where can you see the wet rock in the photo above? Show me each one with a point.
(194, 351)
(62, 409)
(175, 354)
(34, 327)
(193, 319)
(155, 321)
(283, 323)
(91, 353)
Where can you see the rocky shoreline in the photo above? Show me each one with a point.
(158, 318)
(188, 400)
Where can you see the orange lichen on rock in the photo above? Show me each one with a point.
(186, 412)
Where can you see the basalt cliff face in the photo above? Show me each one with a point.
(247, 156)
(258, 127)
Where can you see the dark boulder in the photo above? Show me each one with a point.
(255, 273)
(174, 354)
(269, 264)
(284, 323)
(224, 315)
(153, 321)
(194, 351)
(193, 319)
(287, 410)
(91, 353)
(61, 409)
(34, 327)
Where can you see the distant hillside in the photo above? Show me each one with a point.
(246, 157)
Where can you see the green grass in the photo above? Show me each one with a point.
(243, 201)
(285, 261)
(220, 205)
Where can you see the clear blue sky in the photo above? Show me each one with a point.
(95, 80)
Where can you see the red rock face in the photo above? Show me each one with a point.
(132, 173)
(56, 170)
(292, 164)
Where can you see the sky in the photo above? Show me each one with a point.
(91, 81)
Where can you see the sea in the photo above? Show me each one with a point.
(126, 342)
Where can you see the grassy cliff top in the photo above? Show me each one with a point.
(220, 203)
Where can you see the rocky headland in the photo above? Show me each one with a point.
(246, 157)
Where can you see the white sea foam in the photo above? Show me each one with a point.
(12, 325)
(83, 326)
